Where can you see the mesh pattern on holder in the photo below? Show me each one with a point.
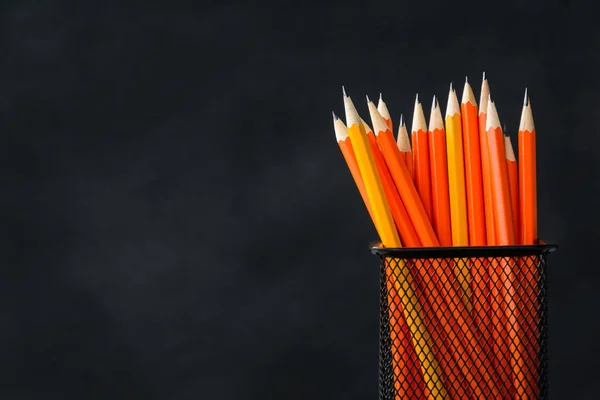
(463, 323)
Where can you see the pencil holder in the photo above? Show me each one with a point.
(463, 322)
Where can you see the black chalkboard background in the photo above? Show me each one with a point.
(178, 221)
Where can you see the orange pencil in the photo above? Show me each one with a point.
(527, 176)
(513, 182)
(402, 179)
(487, 183)
(473, 178)
(528, 228)
(404, 147)
(505, 236)
(407, 233)
(476, 215)
(503, 220)
(421, 165)
(341, 134)
(495, 298)
(439, 176)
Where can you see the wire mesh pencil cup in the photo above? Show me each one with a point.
(463, 322)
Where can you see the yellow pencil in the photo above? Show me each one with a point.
(389, 237)
(457, 191)
(456, 172)
(384, 221)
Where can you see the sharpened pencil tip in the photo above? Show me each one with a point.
(368, 101)
(335, 117)
(483, 79)
(380, 97)
(450, 86)
(417, 99)
(433, 103)
(466, 79)
(344, 91)
(401, 119)
(525, 98)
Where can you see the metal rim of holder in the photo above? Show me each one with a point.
(458, 252)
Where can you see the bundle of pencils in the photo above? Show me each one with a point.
(457, 184)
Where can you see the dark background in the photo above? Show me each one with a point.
(179, 223)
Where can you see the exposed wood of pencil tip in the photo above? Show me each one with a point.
(484, 97)
(379, 124)
(468, 95)
(352, 117)
(452, 108)
(492, 120)
(403, 140)
(341, 131)
(526, 123)
(510, 152)
(382, 108)
(418, 120)
(435, 120)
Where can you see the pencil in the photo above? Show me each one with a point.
(457, 193)
(402, 179)
(407, 233)
(476, 216)
(421, 165)
(513, 182)
(487, 183)
(527, 176)
(384, 221)
(456, 172)
(439, 176)
(404, 146)
(411, 308)
(405, 362)
(385, 113)
(503, 220)
(528, 227)
(505, 237)
(341, 134)
(473, 178)
(499, 325)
